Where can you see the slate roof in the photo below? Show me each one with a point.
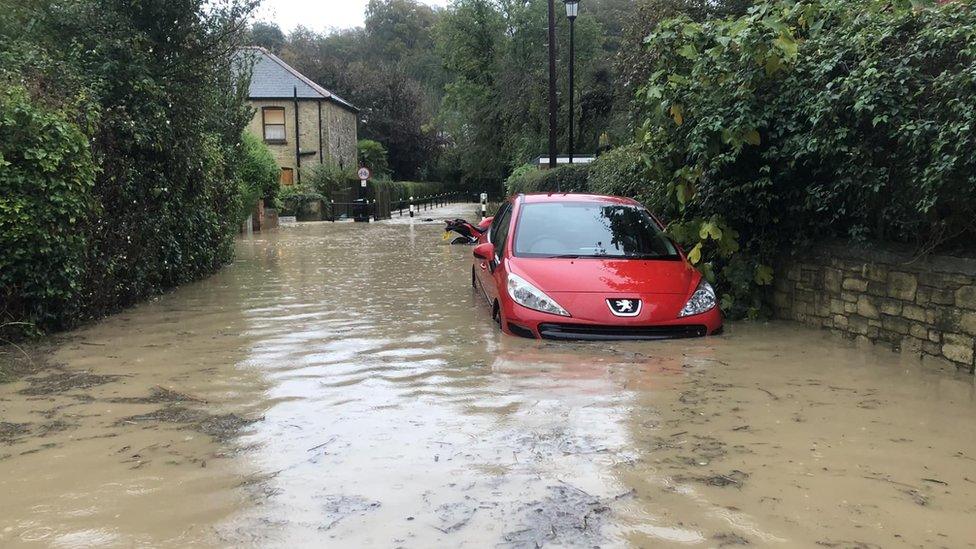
(272, 78)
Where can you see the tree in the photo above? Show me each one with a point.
(496, 104)
(373, 156)
(470, 39)
(391, 71)
(268, 36)
(461, 91)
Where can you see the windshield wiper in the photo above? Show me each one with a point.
(608, 256)
(582, 256)
(652, 256)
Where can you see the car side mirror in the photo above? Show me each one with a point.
(485, 250)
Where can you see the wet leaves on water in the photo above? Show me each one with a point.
(918, 497)
(733, 478)
(55, 426)
(26, 358)
(224, 426)
(338, 507)
(158, 395)
(10, 432)
(567, 516)
(848, 544)
(219, 427)
(169, 414)
(729, 539)
(63, 381)
(454, 516)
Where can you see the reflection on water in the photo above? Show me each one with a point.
(342, 385)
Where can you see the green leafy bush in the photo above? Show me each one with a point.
(259, 175)
(622, 172)
(294, 199)
(808, 120)
(47, 177)
(327, 179)
(568, 179)
(403, 190)
(516, 181)
(373, 155)
(161, 105)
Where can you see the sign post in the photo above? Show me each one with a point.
(484, 206)
(363, 206)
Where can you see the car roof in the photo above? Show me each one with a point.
(535, 198)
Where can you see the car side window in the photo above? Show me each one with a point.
(502, 234)
(497, 223)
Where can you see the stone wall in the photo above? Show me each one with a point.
(925, 307)
(337, 138)
(341, 135)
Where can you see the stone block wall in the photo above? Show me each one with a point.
(337, 138)
(921, 306)
(340, 135)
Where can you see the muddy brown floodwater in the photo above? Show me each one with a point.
(342, 386)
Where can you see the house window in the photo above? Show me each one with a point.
(287, 176)
(274, 124)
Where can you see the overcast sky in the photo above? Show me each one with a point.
(318, 15)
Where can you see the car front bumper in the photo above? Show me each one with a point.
(524, 322)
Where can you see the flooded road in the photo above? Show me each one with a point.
(343, 386)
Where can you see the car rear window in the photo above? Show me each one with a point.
(589, 229)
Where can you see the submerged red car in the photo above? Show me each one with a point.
(580, 266)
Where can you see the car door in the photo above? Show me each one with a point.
(497, 233)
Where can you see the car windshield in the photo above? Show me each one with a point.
(589, 229)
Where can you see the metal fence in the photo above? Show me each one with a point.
(381, 207)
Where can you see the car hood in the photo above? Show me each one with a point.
(644, 276)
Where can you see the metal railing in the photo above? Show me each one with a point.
(362, 210)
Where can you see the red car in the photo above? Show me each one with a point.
(579, 266)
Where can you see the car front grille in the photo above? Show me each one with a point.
(597, 332)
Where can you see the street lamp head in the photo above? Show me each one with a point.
(572, 8)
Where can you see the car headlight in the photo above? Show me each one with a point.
(701, 301)
(529, 296)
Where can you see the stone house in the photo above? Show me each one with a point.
(302, 123)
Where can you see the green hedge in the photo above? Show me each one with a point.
(529, 179)
(260, 175)
(47, 176)
(809, 120)
(329, 179)
(123, 168)
(403, 190)
(293, 198)
(623, 172)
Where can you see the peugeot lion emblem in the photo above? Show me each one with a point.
(624, 307)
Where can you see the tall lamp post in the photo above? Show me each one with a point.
(572, 9)
(552, 82)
